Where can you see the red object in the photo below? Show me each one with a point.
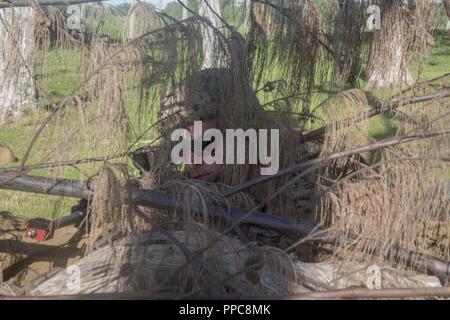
(36, 234)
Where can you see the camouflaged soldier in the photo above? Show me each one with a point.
(201, 98)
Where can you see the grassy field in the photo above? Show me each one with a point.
(63, 75)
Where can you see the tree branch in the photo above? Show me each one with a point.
(379, 108)
(320, 160)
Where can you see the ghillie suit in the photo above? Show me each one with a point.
(264, 270)
(219, 94)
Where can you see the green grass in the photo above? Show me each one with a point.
(61, 77)
(439, 58)
(111, 25)
(57, 74)
(18, 136)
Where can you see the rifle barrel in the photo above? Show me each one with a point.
(44, 185)
(148, 198)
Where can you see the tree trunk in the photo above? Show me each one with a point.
(17, 57)
(388, 52)
(185, 11)
(212, 53)
(392, 72)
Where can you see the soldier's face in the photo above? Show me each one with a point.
(205, 172)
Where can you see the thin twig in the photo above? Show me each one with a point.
(379, 108)
(306, 164)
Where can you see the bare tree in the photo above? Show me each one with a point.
(387, 62)
(404, 31)
(17, 55)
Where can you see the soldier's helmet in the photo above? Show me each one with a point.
(199, 97)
